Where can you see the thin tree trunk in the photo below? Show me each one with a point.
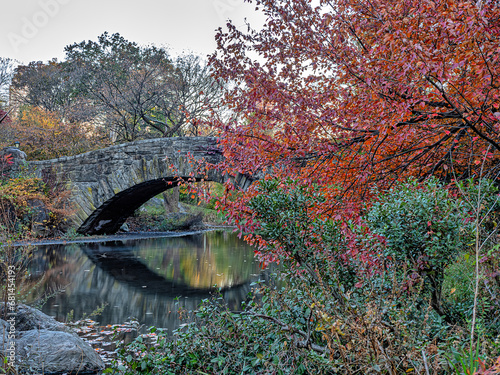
(171, 200)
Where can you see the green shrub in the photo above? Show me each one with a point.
(219, 341)
(295, 234)
(425, 230)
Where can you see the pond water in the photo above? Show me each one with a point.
(147, 279)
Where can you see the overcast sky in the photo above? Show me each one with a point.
(38, 30)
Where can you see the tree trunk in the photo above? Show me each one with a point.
(171, 200)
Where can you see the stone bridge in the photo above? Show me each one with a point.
(108, 185)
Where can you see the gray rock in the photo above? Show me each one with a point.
(43, 345)
(7, 341)
(29, 318)
(56, 352)
(155, 202)
(125, 228)
(4, 332)
(181, 221)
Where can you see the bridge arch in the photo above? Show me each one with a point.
(108, 185)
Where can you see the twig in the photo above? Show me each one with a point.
(425, 362)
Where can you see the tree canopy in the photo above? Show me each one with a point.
(141, 89)
(49, 87)
(350, 94)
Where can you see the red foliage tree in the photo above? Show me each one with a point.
(352, 93)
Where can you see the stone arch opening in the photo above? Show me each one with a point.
(110, 216)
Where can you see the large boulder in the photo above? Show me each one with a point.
(46, 346)
(56, 352)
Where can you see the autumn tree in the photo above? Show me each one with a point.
(337, 102)
(351, 93)
(347, 96)
(44, 135)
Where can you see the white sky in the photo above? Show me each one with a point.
(38, 30)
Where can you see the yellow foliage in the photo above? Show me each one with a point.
(33, 117)
(43, 135)
(22, 187)
(22, 199)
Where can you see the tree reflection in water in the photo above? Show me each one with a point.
(148, 279)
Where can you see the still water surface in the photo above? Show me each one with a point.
(148, 279)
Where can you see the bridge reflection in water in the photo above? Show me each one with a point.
(148, 279)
